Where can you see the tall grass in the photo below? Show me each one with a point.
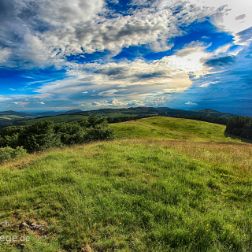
(130, 195)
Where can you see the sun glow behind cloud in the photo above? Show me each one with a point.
(57, 55)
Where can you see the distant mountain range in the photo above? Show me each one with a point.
(8, 118)
(13, 113)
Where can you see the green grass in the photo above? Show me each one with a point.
(142, 194)
(171, 128)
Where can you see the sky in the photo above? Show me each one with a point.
(81, 54)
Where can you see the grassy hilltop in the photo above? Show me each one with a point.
(171, 128)
(163, 184)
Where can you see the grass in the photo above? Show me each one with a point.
(135, 194)
(171, 128)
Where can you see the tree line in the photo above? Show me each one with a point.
(240, 127)
(46, 134)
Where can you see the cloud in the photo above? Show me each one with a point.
(124, 83)
(220, 61)
(123, 31)
(4, 54)
(4, 98)
(190, 103)
(36, 31)
(226, 13)
(226, 88)
(41, 33)
(149, 83)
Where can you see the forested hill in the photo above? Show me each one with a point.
(113, 115)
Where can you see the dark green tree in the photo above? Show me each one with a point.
(71, 133)
(39, 136)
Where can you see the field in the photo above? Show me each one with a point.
(163, 184)
(171, 128)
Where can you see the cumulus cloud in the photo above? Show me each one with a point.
(44, 32)
(226, 87)
(114, 34)
(37, 34)
(126, 83)
(232, 15)
(33, 30)
(4, 54)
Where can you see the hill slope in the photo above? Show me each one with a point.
(117, 115)
(144, 194)
(171, 128)
(9, 117)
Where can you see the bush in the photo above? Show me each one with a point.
(45, 134)
(39, 136)
(9, 153)
(9, 136)
(97, 129)
(71, 133)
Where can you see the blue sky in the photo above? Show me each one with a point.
(62, 55)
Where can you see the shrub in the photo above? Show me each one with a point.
(99, 134)
(45, 134)
(71, 133)
(97, 129)
(39, 136)
(9, 136)
(9, 153)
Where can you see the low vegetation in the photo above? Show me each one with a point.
(164, 184)
(233, 123)
(9, 153)
(43, 135)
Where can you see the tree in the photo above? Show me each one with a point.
(71, 133)
(98, 128)
(39, 136)
(240, 127)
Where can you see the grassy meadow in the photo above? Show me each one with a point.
(171, 128)
(163, 184)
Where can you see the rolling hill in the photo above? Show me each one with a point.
(171, 128)
(163, 184)
(9, 117)
(113, 115)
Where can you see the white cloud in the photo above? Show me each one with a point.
(123, 31)
(231, 15)
(119, 84)
(43, 32)
(190, 103)
(4, 98)
(4, 54)
(190, 60)
(37, 31)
